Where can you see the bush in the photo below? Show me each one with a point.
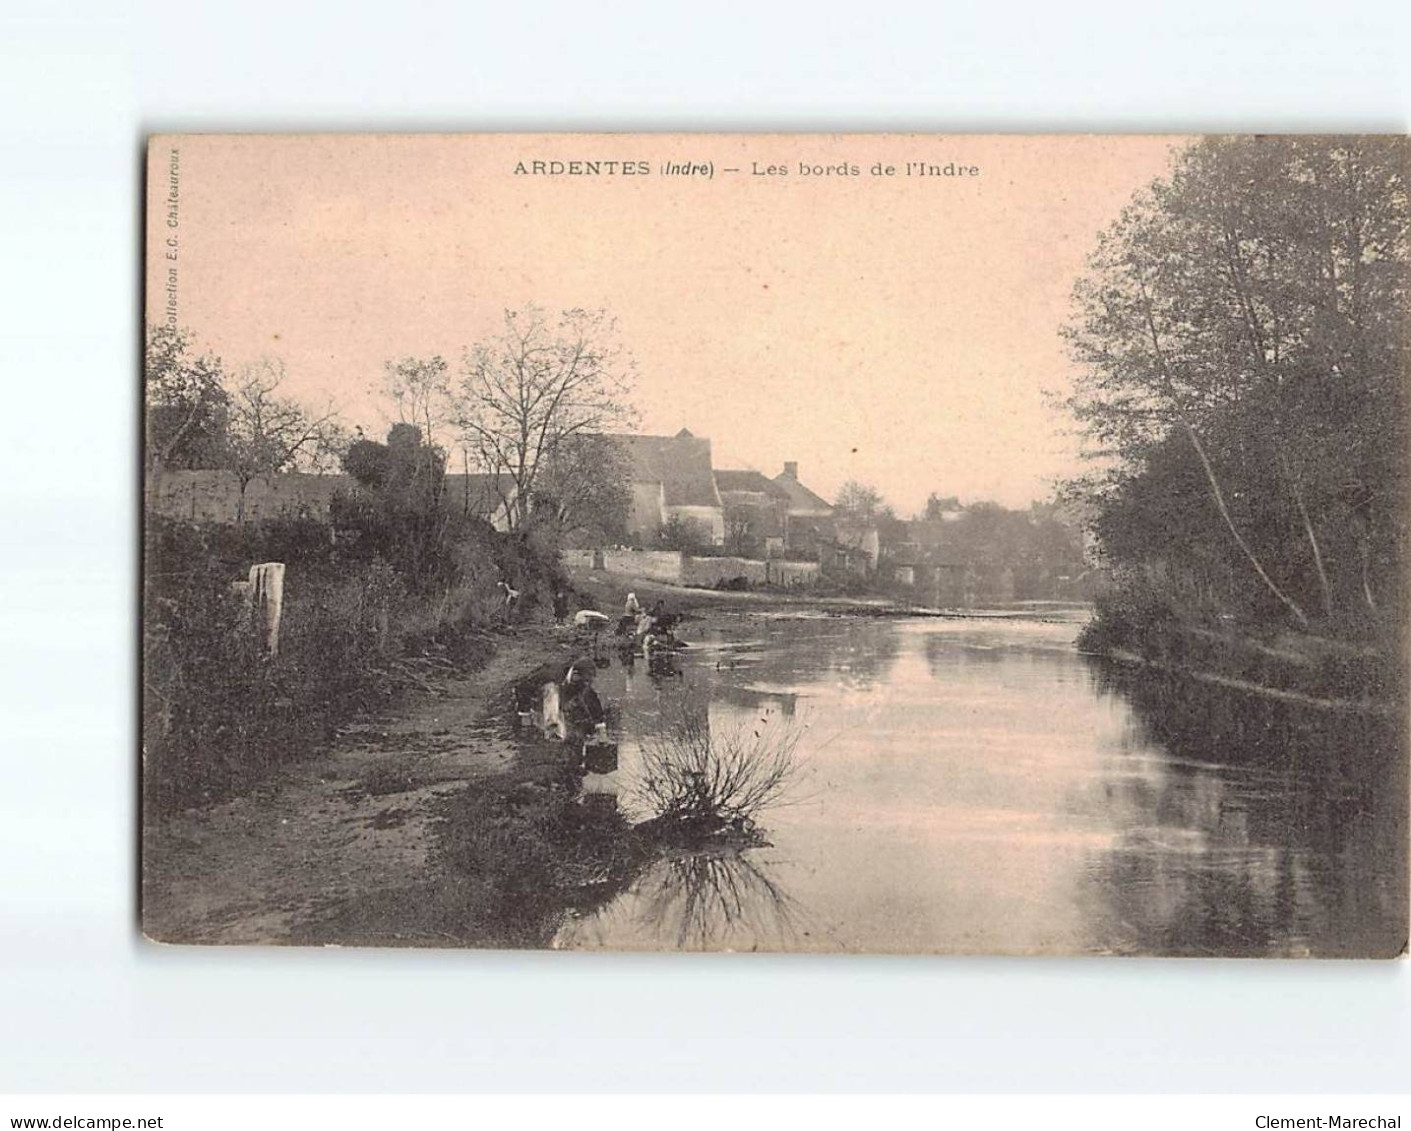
(1131, 614)
(699, 782)
(217, 712)
(357, 630)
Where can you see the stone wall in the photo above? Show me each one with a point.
(788, 574)
(681, 569)
(214, 496)
(659, 565)
(709, 572)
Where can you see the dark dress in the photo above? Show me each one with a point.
(582, 709)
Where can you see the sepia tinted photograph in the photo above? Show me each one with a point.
(875, 543)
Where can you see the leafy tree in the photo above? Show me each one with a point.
(544, 381)
(1252, 305)
(186, 402)
(860, 501)
(398, 508)
(686, 534)
(936, 506)
(584, 489)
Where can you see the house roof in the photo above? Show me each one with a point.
(680, 463)
(801, 499)
(749, 482)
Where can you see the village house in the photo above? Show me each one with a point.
(490, 497)
(756, 513)
(808, 519)
(852, 549)
(672, 478)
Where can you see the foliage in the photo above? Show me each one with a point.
(398, 509)
(1240, 332)
(217, 712)
(686, 534)
(584, 490)
(524, 853)
(370, 610)
(186, 401)
(860, 502)
(1003, 554)
(937, 506)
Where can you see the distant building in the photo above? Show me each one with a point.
(756, 513)
(672, 478)
(491, 497)
(808, 518)
(855, 547)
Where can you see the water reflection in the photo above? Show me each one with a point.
(1262, 827)
(980, 787)
(697, 901)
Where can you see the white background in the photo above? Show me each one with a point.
(85, 1004)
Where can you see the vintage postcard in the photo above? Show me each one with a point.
(858, 544)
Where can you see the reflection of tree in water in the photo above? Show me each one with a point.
(699, 901)
(709, 900)
(1254, 825)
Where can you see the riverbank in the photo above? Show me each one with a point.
(1337, 664)
(332, 833)
(1296, 667)
(377, 837)
(432, 824)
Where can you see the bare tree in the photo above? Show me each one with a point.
(738, 524)
(268, 433)
(420, 390)
(697, 776)
(529, 390)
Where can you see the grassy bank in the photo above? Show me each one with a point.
(1365, 667)
(219, 713)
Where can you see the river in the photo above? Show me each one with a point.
(978, 786)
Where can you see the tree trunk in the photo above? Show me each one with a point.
(1297, 488)
(1215, 490)
(1244, 546)
(1367, 574)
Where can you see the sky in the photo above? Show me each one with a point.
(900, 330)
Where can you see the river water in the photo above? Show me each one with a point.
(978, 786)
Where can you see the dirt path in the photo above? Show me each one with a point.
(352, 821)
